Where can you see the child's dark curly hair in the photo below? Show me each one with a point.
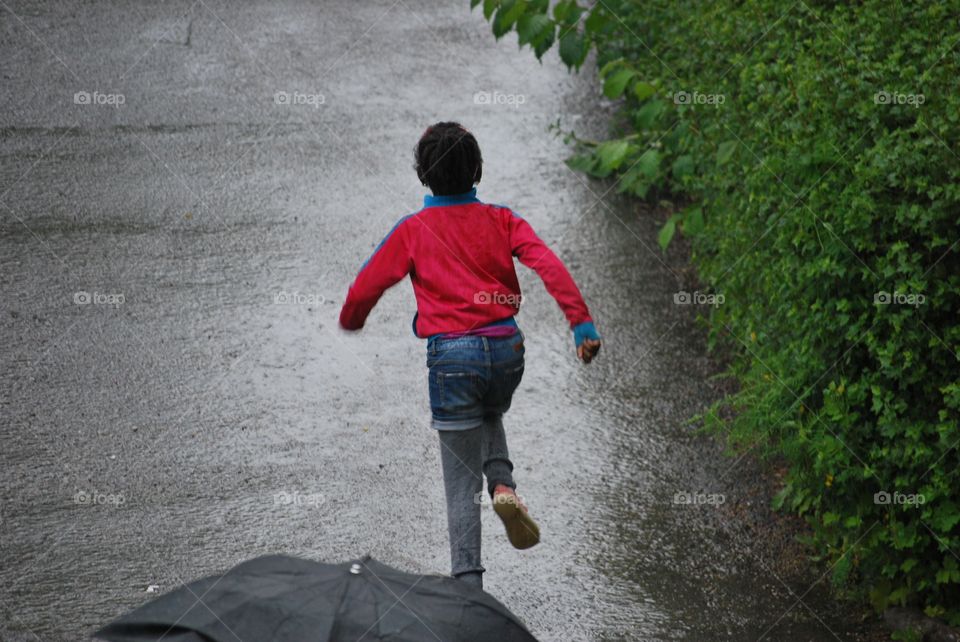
(447, 159)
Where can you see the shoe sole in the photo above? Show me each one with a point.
(522, 531)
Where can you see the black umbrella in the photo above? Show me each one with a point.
(285, 598)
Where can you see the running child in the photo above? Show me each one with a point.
(458, 252)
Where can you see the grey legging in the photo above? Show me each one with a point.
(463, 453)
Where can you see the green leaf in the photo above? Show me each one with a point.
(581, 163)
(667, 232)
(646, 116)
(683, 166)
(946, 517)
(692, 221)
(543, 42)
(573, 49)
(562, 8)
(852, 521)
(779, 497)
(531, 25)
(616, 82)
(567, 11)
(725, 151)
(640, 189)
(489, 6)
(610, 66)
(598, 20)
(880, 594)
(612, 153)
(506, 16)
(643, 90)
(649, 163)
(634, 180)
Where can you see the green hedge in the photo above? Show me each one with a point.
(818, 141)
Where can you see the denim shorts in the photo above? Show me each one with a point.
(472, 377)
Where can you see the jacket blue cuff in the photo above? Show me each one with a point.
(583, 331)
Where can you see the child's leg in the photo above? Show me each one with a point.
(460, 457)
(496, 458)
(522, 531)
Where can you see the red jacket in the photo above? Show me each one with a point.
(459, 255)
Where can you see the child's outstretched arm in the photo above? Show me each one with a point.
(534, 253)
(389, 263)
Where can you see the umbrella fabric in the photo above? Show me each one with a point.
(288, 599)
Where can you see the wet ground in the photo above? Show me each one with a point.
(186, 192)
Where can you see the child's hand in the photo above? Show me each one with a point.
(587, 340)
(587, 350)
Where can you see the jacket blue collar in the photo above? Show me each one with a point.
(452, 199)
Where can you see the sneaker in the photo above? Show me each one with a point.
(522, 531)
